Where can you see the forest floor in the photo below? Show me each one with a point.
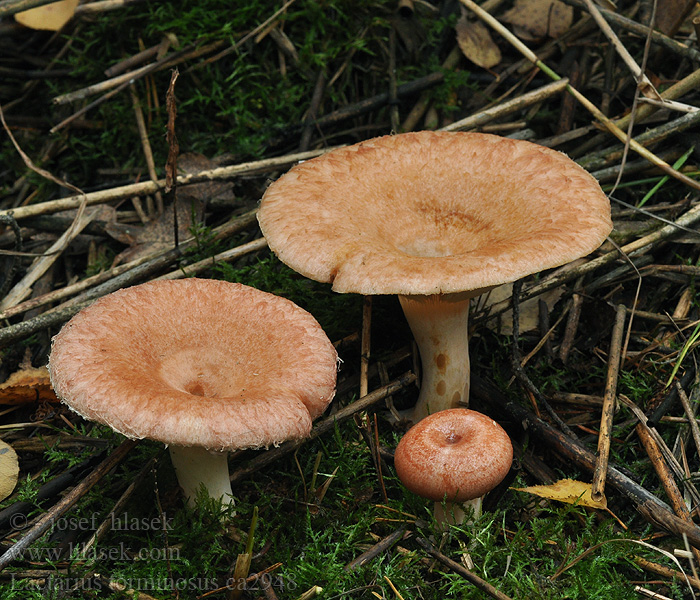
(597, 388)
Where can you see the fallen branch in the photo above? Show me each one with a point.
(473, 578)
(500, 110)
(381, 546)
(151, 187)
(665, 476)
(608, 410)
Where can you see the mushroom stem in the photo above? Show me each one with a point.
(455, 513)
(440, 325)
(196, 466)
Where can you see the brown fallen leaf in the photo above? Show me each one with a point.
(410, 31)
(190, 200)
(569, 491)
(50, 17)
(670, 15)
(189, 163)
(476, 44)
(157, 235)
(29, 384)
(9, 470)
(537, 19)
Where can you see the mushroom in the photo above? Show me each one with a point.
(454, 456)
(437, 218)
(203, 366)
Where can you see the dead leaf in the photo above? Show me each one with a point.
(29, 384)
(50, 17)
(410, 31)
(190, 200)
(476, 44)
(190, 163)
(569, 491)
(529, 310)
(158, 235)
(670, 15)
(537, 19)
(9, 470)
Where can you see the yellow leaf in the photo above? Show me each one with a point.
(9, 470)
(566, 490)
(50, 17)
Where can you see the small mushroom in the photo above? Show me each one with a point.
(203, 366)
(454, 456)
(436, 218)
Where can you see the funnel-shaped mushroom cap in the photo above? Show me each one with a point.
(196, 362)
(455, 454)
(433, 212)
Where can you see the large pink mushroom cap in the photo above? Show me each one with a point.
(433, 213)
(196, 362)
(204, 366)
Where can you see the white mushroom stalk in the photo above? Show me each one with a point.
(448, 513)
(198, 467)
(440, 327)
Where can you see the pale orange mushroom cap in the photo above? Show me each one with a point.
(433, 212)
(196, 362)
(455, 455)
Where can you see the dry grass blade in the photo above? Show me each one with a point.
(146, 145)
(643, 82)
(326, 424)
(643, 31)
(690, 414)
(222, 257)
(689, 581)
(381, 546)
(666, 476)
(10, 7)
(501, 110)
(474, 579)
(366, 341)
(43, 263)
(651, 508)
(30, 163)
(634, 248)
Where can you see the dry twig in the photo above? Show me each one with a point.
(608, 411)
